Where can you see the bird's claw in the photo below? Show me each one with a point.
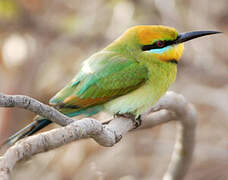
(137, 122)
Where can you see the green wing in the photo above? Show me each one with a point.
(103, 76)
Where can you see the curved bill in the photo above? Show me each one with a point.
(183, 37)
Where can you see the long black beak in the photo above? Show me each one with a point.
(192, 35)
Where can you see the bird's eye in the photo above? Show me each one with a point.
(160, 44)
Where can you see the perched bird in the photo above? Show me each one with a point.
(125, 78)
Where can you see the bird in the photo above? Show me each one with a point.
(124, 79)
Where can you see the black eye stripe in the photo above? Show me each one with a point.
(155, 46)
(148, 47)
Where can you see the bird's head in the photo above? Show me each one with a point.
(159, 41)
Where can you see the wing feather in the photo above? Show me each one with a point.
(109, 76)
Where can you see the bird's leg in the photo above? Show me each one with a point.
(136, 119)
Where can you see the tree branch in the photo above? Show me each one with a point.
(35, 106)
(176, 107)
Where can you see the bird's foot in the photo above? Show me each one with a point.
(136, 120)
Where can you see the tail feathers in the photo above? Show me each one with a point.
(26, 131)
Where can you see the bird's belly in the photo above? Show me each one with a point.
(135, 102)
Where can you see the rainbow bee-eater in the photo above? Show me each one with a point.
(126, 77)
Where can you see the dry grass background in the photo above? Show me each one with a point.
(42, 44)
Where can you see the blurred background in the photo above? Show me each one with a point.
(42, 44)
